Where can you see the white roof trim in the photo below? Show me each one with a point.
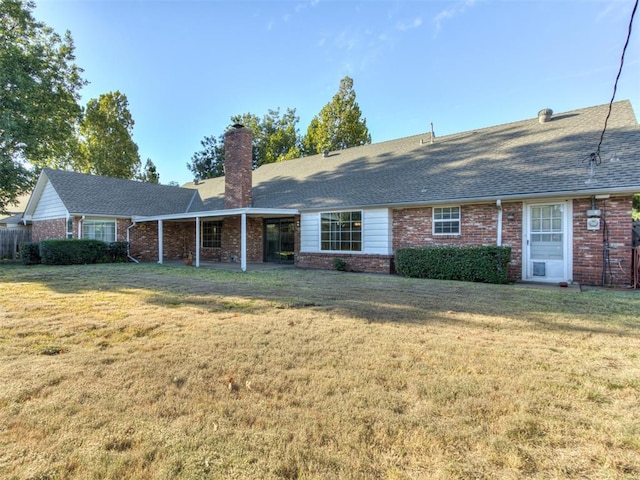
(217, 213)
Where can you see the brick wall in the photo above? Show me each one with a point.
(355, 263)
(588, 251)
(47, 229)
(231, 240)
(412, 227)
(238, 166)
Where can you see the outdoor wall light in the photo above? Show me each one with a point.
(510, 216)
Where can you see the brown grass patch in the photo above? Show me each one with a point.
(145, 371)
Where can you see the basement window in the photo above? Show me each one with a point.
(446, 221)
(212, 234)
(341, 231)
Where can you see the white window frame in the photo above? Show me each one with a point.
(91, 222)
(69, 224)
(439, 221)
(361, 250)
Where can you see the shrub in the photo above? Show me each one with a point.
(117, 252)
(471, 264)
(29, 253)
(339, 264)
(72, 251)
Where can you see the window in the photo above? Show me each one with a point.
(70, 227)
(341, 231)
(211, 234)
(104, 230)
(446, 221)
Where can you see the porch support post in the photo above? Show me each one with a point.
(197, 241)
(243, 242)
(159, 241)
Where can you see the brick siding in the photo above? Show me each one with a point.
(412, 227)
(47, 229)
(355, 263)
(588, 246)
(238, 167)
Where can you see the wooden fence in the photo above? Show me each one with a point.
(10, 238)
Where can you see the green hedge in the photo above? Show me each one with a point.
(471, 264)
(117, 252)
(30, 253)
(72, 251)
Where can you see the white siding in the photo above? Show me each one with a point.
(376, 232)
(310, 232)
(49, 206)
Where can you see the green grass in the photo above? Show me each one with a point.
(160, 372)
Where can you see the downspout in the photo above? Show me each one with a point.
(129, 243)
(499, 225)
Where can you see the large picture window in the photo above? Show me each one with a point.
(104, 230)
(446, 221)
(212, 234)
(341, 231)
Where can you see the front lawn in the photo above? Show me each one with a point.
(159, 372)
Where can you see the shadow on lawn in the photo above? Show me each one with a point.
(371, 298)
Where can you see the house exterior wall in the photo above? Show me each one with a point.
(231, 240)
(413, 227)
(376, 232)
(588, 246)
(48, 229)
(50, 205)
(376, 254)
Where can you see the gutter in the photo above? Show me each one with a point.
(516, 197)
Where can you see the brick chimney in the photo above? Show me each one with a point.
(238, 160)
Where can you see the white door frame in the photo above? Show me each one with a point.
(567, 224)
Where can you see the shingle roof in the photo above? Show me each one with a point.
(95, 195)
(519, 159)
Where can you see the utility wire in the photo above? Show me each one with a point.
(595, 157)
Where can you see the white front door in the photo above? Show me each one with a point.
(547, 232)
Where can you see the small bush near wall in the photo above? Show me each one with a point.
(117, 252)
(30, 253)
(72, 251)
(339, 264)
(471, 264)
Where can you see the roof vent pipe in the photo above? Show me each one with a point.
(544, 115)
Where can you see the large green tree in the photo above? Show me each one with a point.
(275, 136)
(208, 162)
(339, 124)
(39, 94)
(275, 139)
(148, 174)
(107, 143)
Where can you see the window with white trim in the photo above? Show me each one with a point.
(104, 230)
(446, 220)
(341, 231)
(70, 227)
(212, 234)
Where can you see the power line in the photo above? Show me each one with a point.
(595, 157)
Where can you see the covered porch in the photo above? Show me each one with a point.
(242, 237)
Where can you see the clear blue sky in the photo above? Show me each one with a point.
(188, 66)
